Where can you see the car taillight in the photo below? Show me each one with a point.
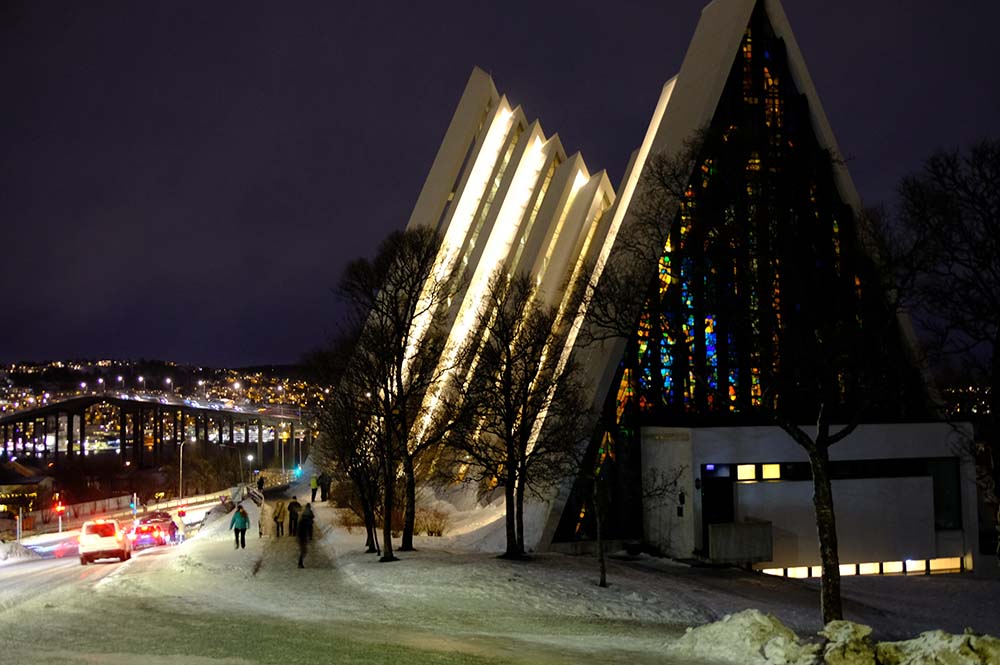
(159, 533)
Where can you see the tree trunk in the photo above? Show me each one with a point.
(410, 509)
(387, 503)
(519, 511)
(370, 527)
(991, 431)
(826, 527)
(509, 518)
(601, 558)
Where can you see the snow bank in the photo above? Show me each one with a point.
(937, 646)
(848, 643)
(753, 638)
(13, 552)
(746, 638)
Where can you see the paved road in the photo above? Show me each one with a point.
(29, 580)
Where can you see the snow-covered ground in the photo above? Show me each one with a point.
(452, 601)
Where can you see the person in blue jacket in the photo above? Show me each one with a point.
(239, 524)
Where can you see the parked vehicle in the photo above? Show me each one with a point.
(103, 539)
(156, 528)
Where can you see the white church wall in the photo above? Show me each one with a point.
(883, 519)
(878, 519)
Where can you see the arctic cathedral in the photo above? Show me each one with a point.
(765, 259)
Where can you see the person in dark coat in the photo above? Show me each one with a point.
(260, 484)
(294, 507)
(324, 486)
(305, 532)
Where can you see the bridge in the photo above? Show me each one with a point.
(145, 430)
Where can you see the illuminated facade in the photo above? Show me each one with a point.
(764, 256)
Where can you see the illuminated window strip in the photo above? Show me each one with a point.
(497, 249)
(937, 566)
(462, 218)
(601, 204)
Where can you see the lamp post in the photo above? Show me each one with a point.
(141, 380)
(180, 479)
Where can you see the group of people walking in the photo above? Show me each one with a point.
(300, 524)
(320, 483)
(295, 514)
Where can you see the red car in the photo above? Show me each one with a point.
(152, 531)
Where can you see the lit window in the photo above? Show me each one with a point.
(847, 569)
(946, 565)
(889, 567)
(816, 571)
(915, 565)
(868, 568)
(779, 572)
(771, 472)
(799, 572)
(746, 472)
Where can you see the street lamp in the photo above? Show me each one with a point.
(100, 382)
(168, 381)
(140, 383)
(180, 479)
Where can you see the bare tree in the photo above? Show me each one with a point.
(945, 248)
(516, 395)
(394, 302)
(348, 444)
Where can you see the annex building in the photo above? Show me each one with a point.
(764, 298)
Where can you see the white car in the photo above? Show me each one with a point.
(104, 539)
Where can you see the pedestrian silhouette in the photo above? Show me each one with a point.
(294, 507)
(305, 532)
(279, 518)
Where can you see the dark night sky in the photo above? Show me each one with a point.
(186, 180)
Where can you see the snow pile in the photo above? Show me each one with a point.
(937, 646)
(848, 643)
(13, 552)
(753, 638)
(746, 638)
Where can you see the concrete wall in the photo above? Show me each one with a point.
(877, 519)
